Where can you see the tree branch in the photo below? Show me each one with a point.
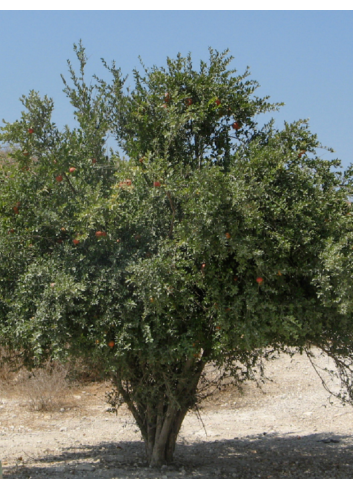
(68, 181)
(132, 407)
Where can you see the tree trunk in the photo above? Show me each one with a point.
(160, 449)
(160, 414)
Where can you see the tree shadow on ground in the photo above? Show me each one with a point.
(322, 455)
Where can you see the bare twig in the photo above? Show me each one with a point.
(319, 375)
(199, 417)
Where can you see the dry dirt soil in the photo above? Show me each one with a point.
(290, 428)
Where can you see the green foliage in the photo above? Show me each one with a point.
(214, 242)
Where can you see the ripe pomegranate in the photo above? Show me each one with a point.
(156, 184)
(259, 280)
(72, 169)
(30, 130)
(75, 241)
(59, 178)
(125, 182)
(236, 125)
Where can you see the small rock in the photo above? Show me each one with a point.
(113, 458)
(63, 428)
(62, 410)
(85, 467)
(329, 440)
(77, 397)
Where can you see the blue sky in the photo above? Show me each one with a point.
(301, 58)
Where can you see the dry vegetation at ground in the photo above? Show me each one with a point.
(288, 428)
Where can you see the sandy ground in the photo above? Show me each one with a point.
(287, 429)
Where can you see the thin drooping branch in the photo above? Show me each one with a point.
(336, 359)
(341, 365)
(318, 373)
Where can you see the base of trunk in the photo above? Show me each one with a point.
(160, 450)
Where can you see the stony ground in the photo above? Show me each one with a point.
(288, 429)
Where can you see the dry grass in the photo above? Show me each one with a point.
(10, 363)
(40, 389)
(43, 389)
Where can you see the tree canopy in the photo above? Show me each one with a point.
(212, 240)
